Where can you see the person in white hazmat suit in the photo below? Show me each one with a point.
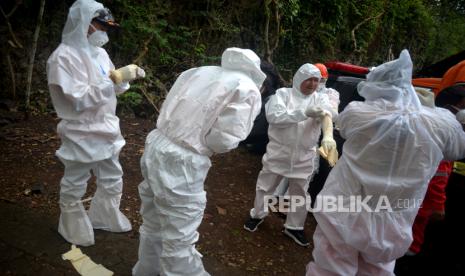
(296, 116)
(393, 147)
(333, 96)
(84, 97)
(208, 110)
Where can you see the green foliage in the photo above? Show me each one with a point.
(167, 37)
(130, 99)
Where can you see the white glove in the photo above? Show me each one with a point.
(314, 112)
(328, 149)
(328, 144)
(83, 264)
(331, 157)
(127, 73)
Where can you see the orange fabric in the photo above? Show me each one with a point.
(434, 200)
(455, 74)
(323, 70)
(432, 83)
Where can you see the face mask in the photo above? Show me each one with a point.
(321, 84)
(98, 38)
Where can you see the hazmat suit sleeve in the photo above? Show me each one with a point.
(334, 100)
(70, 75)
(326, 104)
(279, 115)
(450, 136)
(234, 122)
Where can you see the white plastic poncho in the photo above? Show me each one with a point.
(211, 109)
(82, 93)
(208, 110)
(293, 136)
(393, 147)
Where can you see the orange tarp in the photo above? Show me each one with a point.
(432, 83)
(455, 74)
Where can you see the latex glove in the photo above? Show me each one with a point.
(314, 112)
(127, 73)
(328, 144)
(83, 264)
(331, 157)
(328, 149)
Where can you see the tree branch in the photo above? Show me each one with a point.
(33, 54)
(144, 91)
(266, 37)
(10, 29)
(145, 49)
(12, 74)
(18, 2)
(358, 26)
(278, 26)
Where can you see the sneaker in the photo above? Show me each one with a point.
(252, 224)
(297, 235)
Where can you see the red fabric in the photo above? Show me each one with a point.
(434, 200)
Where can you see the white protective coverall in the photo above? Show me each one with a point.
(333, 96)
(208, 110)
(393, 147)
(85, 100)
(291, 151)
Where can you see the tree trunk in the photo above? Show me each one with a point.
(32, 56)
(12, 74)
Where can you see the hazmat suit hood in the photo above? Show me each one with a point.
(305, 71)
(77, 24)
(243, 60)
(392, 81)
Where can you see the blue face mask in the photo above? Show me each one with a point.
(97, 38)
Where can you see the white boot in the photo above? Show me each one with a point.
(75, 225)
(104, 213)
(149, 254)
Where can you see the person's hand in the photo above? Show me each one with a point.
(314, 112)
(328, 144)
(331, 157)
(126, 73)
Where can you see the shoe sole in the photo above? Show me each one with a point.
(295, 239)
(256, 227)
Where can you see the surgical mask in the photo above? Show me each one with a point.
(98, 38)
(321, 84)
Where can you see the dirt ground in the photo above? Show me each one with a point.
(30, 175)
(30, 244)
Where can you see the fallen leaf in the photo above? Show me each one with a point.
(221, 211)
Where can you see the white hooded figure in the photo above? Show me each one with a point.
(393, 147)
(208, 110)
(84, 98)
(295, 117)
